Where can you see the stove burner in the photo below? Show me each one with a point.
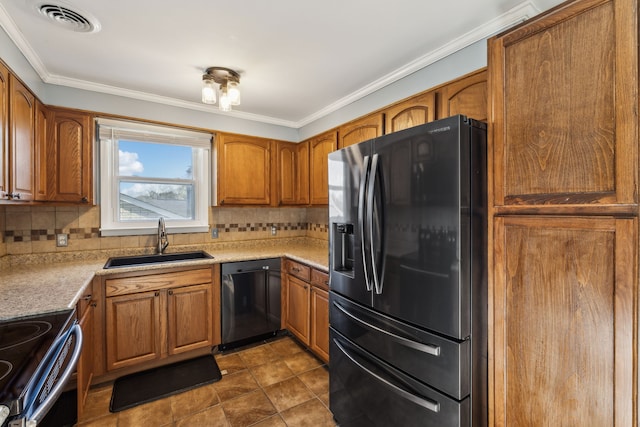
(13, 334)
(5, 368)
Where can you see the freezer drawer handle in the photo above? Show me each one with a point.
(424, 402)
(433, 350)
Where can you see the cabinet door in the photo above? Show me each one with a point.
(190, 318)
(414, 111)
(361, 130)
(42, 131)
(133, 329)
(565, 290)
(244, 170)
(85, 364)
(564, 91)
(293, 173)
(297, 303)
(70, 157)
(320, 147)
(4, 131)
(22, 140)
(467, 95)
(319, 342)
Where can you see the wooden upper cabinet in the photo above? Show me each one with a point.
(244, 170)
(360, 130)
(42, 131)
(414, 111)
(564, 333)
(320, 147)
(293, 173)
(467, 96)
(564, 101)
(22, 149)
(69, 157)
(4, 131)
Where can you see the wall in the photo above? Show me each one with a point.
(32, 229)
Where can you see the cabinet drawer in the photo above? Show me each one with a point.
(301, 271)
(320, 279)
(129, 285)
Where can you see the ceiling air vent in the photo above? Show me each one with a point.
(64, 16)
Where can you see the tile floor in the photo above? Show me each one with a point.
(273, 384)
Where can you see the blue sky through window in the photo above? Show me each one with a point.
(155, 160)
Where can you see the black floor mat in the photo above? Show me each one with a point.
(154, 384)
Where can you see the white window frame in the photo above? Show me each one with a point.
(109, 132)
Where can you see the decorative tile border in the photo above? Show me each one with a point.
(14, 236)
(11, 236)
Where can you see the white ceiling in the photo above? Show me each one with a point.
(298, 60)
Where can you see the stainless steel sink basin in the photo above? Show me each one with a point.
(132, 261)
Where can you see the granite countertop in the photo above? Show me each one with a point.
(57, 281)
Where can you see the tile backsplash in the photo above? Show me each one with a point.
(33, 229)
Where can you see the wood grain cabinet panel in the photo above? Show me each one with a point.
(466, 95)
(22, 148)
(190, 318)
(4, 131)
(414, 111)
(320, 147)
(564, 320)
(244, 170)
(298, 309)
(564, 94)
(293, 173)
(360, 130)
(70, 157)
(133, 329)
(319, 338)
(42, 134)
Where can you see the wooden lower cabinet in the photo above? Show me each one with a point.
(154, 316)
(564, 327)
(86, 309)
(190, 318)
(306, 306)
(319, 338)
(298, 309)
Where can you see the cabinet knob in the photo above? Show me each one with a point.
(14, 196)
(157, 294)
(170, 292)
(84, 199)
(87, 298)
(222, 202)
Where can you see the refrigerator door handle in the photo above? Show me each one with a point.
(418, 400)
(433, 350)
(377, 282)
(361, 219)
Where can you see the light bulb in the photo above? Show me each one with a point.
(234, 93)
(225, 100)
(208, 91)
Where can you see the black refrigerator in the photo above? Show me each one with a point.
(408, 279)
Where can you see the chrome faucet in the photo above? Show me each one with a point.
(163, 237)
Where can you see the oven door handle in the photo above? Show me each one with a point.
(36, 412)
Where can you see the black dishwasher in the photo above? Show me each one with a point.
(250, 301)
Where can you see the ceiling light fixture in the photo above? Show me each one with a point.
(228, 81)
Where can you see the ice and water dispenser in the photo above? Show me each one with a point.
(343, 248)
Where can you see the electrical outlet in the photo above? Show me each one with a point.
(274, 230)
(214, 233)
(62, 240)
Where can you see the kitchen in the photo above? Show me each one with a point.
(594, 199)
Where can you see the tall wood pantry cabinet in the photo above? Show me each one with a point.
(563, 198)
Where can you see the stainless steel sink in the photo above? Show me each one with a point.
(132, 261)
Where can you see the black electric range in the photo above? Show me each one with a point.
(35, 355)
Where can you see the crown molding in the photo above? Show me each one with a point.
(511, 17)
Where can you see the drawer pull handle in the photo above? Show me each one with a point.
(431, 349)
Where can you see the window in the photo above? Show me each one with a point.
(148, 172)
